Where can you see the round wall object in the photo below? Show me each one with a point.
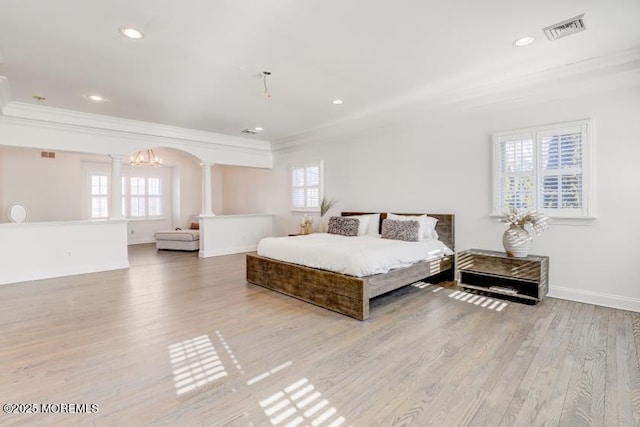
(17, 212)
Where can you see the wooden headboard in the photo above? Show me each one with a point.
(445, 226)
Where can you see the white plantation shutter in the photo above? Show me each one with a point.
(306, 186)
(561, 154)
(137, 199)
(545, 169)
(517, 172)
(145, 191)
(154, 196)
(99, 196)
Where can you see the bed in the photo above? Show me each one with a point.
(346, 293)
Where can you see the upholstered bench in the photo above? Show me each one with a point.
(178, 240)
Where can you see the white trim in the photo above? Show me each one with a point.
(595, 298)
(101, 122)
(227, 251)
(99, 221)
(110, 139)
(558, 220)
(140, 241)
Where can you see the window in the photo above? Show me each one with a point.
(546, 168)
(306, 186)
(143, 198)
(143, 191)
(99, 196)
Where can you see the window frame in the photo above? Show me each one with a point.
(163, 174)
(100, 196)
(536, 133)
(128, 196)
(304, 165)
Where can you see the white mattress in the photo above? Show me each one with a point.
(356, 256)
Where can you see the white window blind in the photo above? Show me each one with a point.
(142, 197)
(143, 191)
(517, 171)
(306, 186)
(546, 168)
(154, 196)
(99, 196)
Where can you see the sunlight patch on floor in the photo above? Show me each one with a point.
(229, 352)
(269, 373)
(421, 285)
(194, 363)
(300, 403)
(479, 300)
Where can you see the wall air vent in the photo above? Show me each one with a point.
(250, 131)
(48, 154)
(565, 28)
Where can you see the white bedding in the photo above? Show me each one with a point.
(355, 255)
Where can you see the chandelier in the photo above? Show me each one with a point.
(146, 158)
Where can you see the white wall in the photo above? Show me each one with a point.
(444, 166)
(50, 188)
(231, 234)
(186, 185)
(246, 190)
(32, 251)
(54, 189)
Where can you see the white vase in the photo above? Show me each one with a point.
(516, 241)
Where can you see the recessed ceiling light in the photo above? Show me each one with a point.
(337, 101)
(132, 33)
(524, 41)
(95, 98)
(257, 129)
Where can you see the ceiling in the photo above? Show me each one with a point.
(200, 62)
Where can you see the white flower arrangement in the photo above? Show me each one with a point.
(537, 220)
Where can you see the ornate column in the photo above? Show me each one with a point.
(115, 207)
(207, 205)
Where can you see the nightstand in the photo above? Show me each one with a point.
(524, 279)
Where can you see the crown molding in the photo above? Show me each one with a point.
(446, 99)
(5, 97)
(98, 123)
(138, 141)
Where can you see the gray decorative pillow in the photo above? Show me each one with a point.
(408, 231)
(343, 226)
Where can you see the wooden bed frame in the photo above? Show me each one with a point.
(345, 294)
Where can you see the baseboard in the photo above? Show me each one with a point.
(596, 298)
(141, 241)
(227, 251)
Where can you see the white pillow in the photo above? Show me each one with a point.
(427, 224)
(364, 223)
(374, 224)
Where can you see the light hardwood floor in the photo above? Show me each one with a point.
(181, 341)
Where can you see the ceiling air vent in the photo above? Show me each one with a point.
(250, 131)
(565, 28)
